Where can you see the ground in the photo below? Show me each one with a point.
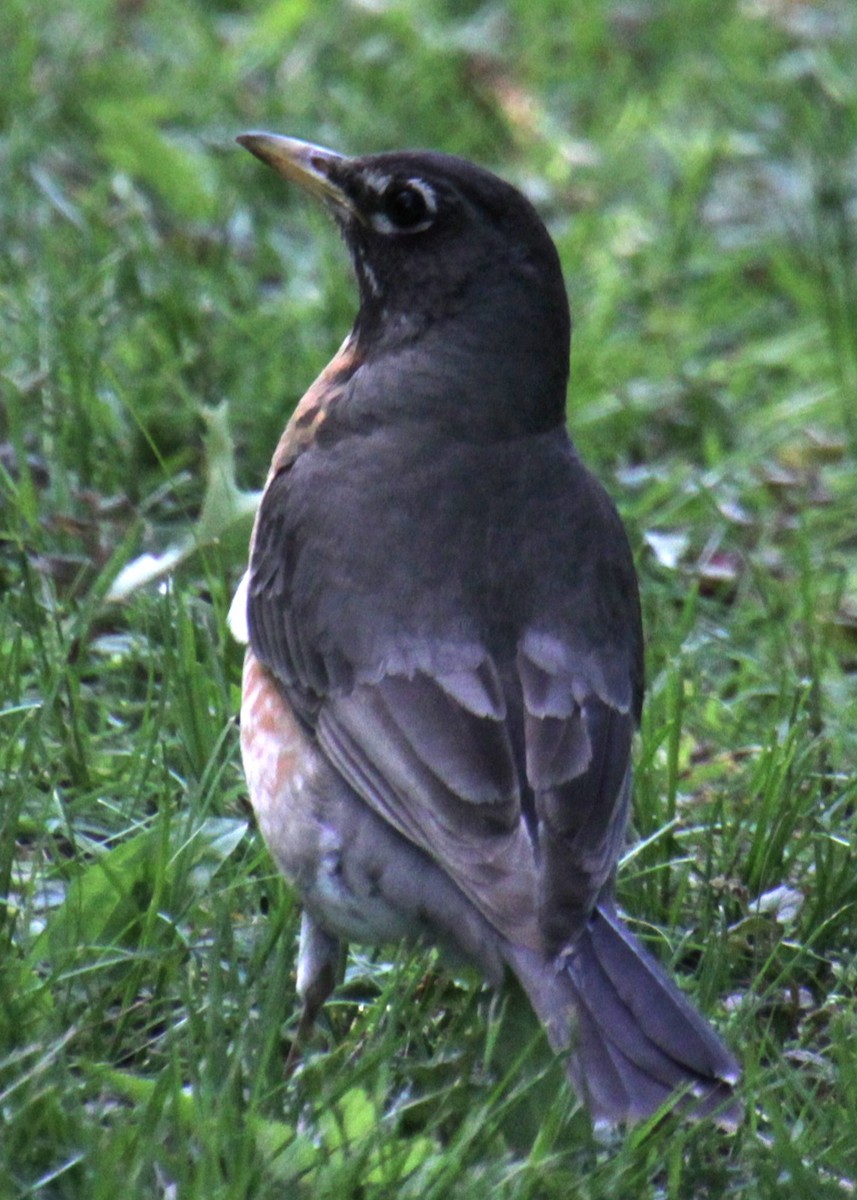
(697, 165)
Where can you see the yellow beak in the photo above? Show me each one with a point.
(311, 167)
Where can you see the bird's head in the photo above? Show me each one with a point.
(440, 246)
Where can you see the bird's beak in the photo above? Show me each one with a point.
(312, 167)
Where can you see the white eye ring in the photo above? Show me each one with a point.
(383, 220)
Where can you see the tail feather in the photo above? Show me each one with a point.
(636, 1040)
(611, 1018)
(615, 1089)
(658, 1006)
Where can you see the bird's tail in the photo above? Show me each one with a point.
(637, 1043)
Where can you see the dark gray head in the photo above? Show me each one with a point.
(444, 250)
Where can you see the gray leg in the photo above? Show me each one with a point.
(319, 962)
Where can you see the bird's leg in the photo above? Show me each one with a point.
(320, 958)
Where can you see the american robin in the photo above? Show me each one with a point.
(444, 669)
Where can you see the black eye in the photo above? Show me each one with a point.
(405, 205)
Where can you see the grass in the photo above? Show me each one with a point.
(696, 164)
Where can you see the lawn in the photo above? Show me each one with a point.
(165, 301)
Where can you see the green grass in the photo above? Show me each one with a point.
(696, 163)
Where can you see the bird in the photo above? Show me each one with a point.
(444, 653)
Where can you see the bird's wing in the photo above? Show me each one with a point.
(514, 778)
(432, 755)
(578, 726)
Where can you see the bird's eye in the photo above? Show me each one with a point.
(408, 206)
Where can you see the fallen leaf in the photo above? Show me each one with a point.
(226, 518)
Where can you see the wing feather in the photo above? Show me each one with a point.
(509, 767)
